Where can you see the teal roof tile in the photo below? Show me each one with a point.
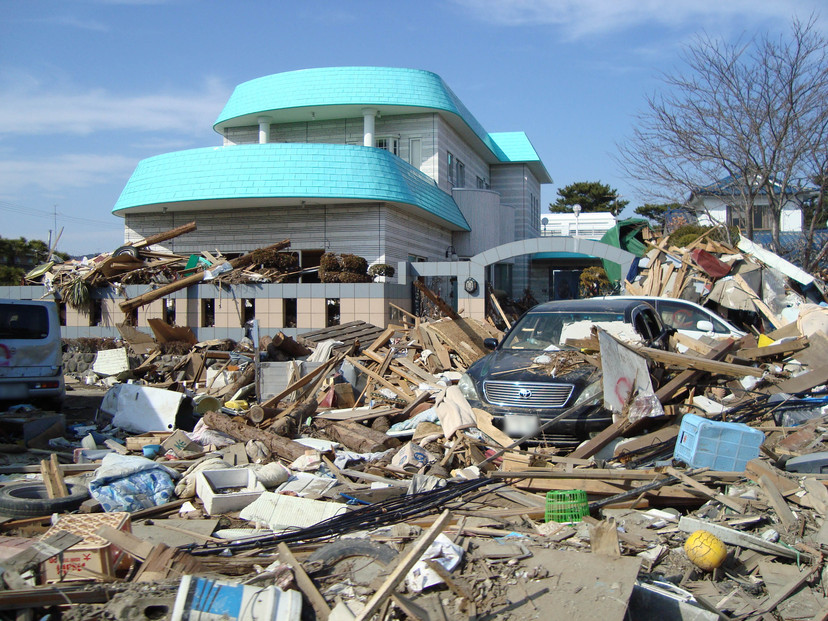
(286, 170)
(360, 86)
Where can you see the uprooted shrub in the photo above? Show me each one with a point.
(382, 269)
(353, 264)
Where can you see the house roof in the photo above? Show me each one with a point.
(239, 176)
(734, 186)
(342, 92)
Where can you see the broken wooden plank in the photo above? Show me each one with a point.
(320, 606)
(403, 566)
(732, 503)
(783, 511)
(738, 538)
(53, 478)
(699, 364)
(182, 283)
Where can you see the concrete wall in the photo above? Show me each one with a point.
(362, 301)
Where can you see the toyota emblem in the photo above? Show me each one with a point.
(524, 393)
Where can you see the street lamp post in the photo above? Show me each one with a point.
(577, 210)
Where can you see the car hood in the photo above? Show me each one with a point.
(523, 365)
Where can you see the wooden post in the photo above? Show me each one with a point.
(183, 283)
(53, 478)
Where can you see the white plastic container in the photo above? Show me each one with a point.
(704, 443)
(213, 486)
(203, 599)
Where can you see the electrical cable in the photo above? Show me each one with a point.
(386, 512)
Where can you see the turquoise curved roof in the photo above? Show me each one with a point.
(283, 171)
(405, 90)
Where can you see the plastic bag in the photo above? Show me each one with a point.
(128, 483)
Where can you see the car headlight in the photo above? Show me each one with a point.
(591, 392)
(466, 386)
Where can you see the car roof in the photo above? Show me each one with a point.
(611, 304)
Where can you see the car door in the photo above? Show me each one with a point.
(689, 319)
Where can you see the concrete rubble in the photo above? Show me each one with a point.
(341, 474)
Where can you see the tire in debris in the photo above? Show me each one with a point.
(359, 560)
(130, 251)
(20, 500)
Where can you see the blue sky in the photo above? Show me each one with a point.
(90, 87)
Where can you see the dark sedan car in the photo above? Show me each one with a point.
(532, 376)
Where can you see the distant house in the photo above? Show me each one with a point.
(723, 202)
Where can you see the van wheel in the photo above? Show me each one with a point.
(20, 500)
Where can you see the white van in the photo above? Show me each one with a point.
(31, 356)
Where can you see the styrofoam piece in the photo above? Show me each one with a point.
(139, 409)
(204, 599)
(277, 511)
(703, 443)
(111, 362)
(211, 483)
(318, 444)
(306, 484)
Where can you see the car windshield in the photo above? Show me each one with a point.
(545, 331)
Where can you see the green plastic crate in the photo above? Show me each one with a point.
(566, 507)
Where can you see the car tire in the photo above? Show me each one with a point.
(22, 500)
(130, 251)
(358, 559)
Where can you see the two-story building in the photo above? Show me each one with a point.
(382, 162)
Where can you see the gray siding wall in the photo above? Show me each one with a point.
(449, 140)
(491, 222)
(405, 128)
(381, 233)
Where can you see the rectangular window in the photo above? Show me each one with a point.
(248, 310)
(208, 313)
(415, 152)
(461, 174)
(62, 313)
(95, 312)
(450, 163)
(169, 311)
(388, 143)
(289, 312)
(482, 183)
(332, 312)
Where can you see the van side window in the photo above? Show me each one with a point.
(29, 322)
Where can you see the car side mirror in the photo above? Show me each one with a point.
(704, 326)
(490, 343)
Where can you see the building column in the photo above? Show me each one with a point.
(264, 129)
(368, 115)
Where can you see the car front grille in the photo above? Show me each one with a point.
(527, 394)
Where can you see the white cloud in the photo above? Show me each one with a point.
(61, 172)
(585, 17)
(28, 107)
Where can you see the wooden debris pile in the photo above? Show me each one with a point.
(753, 288)
(363, 482)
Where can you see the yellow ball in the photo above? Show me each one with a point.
(705, 551)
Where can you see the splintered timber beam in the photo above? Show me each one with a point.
(157, 239)
(183, 283)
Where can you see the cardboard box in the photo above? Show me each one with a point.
(136, 443)
(92, 558)
(180, 444)
(223, 491)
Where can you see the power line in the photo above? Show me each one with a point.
(54, 215)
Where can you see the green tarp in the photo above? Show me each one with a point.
(625, 235)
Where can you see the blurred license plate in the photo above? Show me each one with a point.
(519, 425)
